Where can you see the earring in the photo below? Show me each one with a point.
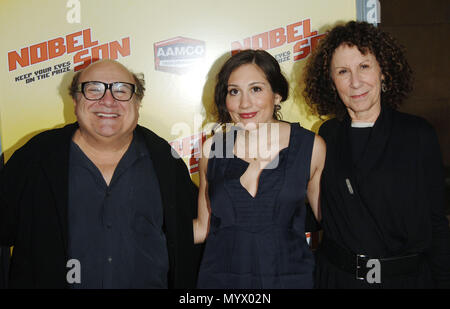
(277, 107)
(383, 86)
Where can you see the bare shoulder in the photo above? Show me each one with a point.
(319, 144)
(284, 133)
(285, 128)
(318, 153)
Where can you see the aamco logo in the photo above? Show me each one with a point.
(178, 55)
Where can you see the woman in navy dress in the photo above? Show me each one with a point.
(254, 178)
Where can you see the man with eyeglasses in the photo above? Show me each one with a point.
(100, 203)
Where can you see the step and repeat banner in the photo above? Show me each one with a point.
(179, 46)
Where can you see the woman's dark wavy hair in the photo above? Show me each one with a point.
(320, 93)
(266, 62)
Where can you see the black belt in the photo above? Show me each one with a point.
(357, 263)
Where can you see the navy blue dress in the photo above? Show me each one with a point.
(259, 242)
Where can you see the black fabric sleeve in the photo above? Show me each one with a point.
(439, 254)
(12, 180)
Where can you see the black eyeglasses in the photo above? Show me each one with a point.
(95, 90)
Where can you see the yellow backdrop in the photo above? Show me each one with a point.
(178, 45)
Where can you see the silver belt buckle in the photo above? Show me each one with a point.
(358, 266)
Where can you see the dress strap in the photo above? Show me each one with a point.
(301, 146)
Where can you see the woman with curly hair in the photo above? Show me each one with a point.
(382, 196)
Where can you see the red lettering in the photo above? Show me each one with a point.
(237, 47)
(104, 50)
(38, 53)
(80, 42)
(87, 41)
(193, 163)
(78, 58)
(22, 59)
(71, 40)
(307, 28)
(299, 32)
(292, 32)
(197, 142)
(115, 48)
(277, 37)
(56, 48)
(301, 51)
(186, 142)
(260, 41)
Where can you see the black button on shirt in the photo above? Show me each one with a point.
(116, 231)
